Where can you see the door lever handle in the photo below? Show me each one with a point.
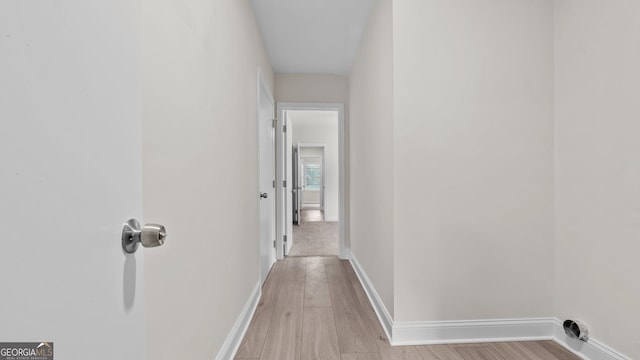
(263, 195)
(150, 235)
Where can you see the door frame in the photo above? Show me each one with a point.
(322, 164)
(262, 89)
(295, 181)
(281, 163)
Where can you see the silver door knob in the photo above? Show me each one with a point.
(150, 235)
(263, 195)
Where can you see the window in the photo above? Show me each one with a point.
(312, 176)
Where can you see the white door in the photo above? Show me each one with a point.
(296, 193)
(284, 183)
(323, 187)
(299, 182)
(70, 176)
(290, 183)
(266, 180)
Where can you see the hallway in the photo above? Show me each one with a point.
(315, 308)
(488, 177)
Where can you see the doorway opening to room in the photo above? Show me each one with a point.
(307, 176)
(310, 168)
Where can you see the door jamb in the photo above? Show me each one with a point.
(343, 252)
(262, 87)
(322, 157)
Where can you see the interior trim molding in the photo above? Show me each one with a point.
(477, 331)
(232, 343)
(590, 350)
(472, 331)
(378, 306)
(282, 227)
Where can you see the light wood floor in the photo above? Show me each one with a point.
(315, 308)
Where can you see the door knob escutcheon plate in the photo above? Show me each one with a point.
(131, 236)
(151, 235)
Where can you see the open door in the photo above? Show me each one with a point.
(298, 184)
(295, 167)
(289, 186)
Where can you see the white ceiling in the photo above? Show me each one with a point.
(312, 36)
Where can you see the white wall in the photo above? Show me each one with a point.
(321, 127)
(371, 153)
(70, 177)
(473, 155)
(198, 65)
(321, 88)
(462, 108)
(492, 146)
(598, 168)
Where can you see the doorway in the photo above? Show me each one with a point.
(310, 172)
(266, 180)
(308, 175)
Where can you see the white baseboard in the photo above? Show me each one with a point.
(378, 306)
(311, 206)
(332, 219)
(474, 331)
(232, 343)
(590, 350)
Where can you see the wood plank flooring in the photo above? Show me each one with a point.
(314, 308)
